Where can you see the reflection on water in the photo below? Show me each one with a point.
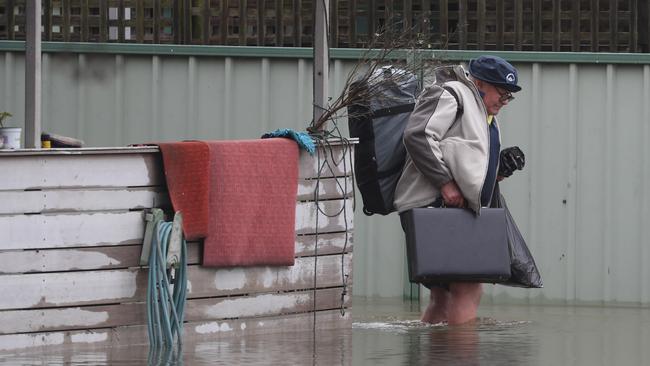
(387, 332)
(413, 343)
(383, 338)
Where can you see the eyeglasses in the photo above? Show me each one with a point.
(504, 97)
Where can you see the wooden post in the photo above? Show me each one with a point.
(261, 23)
(613, 26)
(11, 19)
(575, 26)
(185, 9)
(500, 41)
(644, 26)
(47, 19)
(480, 29)
(297, 22)
(139, 21)
(352, 22)
(462, 24)
(372, 19)
(519, 26)
(120, 22)
(243, 24)
(207, 22)
(103, 21)
(223, 23)
(65, 12)
(33, 75)
(595, 16)
(444, 22)
(321, 58)
(634, 32)
(407, 18)
(537, 25)
(279, 31)
(557, 27)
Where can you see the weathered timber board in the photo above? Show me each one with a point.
(73, 200)
(127, 170)
(114, 228)
(324, 244)
(43, 290)
(331, 216)
(72, 230)
(328, 188)
(56, 260)
(79, 200)
(126, 256)
(104, 316)
(336, 162)
(242, 280)
(74, 171)
(193, 331)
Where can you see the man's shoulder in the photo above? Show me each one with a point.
(457, 85)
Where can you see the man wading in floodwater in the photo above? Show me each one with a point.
(456, 163)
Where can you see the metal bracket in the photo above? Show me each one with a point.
(152, 217)
(175, 241)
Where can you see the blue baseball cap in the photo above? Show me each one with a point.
(496, 71)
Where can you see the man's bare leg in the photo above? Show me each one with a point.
(463, 302)
(438, 307)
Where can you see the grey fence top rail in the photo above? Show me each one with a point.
(336, 53)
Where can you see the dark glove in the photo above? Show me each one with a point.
(511, 159)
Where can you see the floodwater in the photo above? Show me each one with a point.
(387, 332)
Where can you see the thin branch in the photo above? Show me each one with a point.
(366, 82)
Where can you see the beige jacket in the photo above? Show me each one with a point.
(439, 148)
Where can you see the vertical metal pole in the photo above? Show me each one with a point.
(321, 58)
(33, 75)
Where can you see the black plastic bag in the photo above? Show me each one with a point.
(524, 272)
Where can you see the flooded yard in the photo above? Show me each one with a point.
(387, 332)
(505, 335)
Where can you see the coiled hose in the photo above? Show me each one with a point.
(165, 307)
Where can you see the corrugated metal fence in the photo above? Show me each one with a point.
(582, 202)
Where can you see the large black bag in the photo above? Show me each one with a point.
(379, 122)
(455, 244)
(435, 252)
(522, 265)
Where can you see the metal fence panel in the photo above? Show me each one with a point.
(582, 202)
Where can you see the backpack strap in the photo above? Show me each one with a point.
(409, 107)
(459, 110)
(399, 109)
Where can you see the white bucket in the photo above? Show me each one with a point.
(10, 137)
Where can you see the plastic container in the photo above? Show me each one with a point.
(10, 137)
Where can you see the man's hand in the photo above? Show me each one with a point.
(510, 159)
(452, 195)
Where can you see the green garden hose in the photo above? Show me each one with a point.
(165, 306)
